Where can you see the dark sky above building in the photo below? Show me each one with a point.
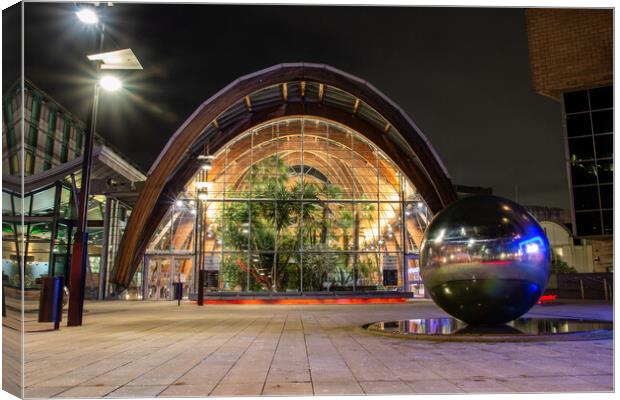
(461, 74)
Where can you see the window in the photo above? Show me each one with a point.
(589, 131)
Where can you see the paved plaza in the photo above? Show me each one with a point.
(145, 349)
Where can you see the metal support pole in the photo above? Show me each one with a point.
(80, 243)
(200, 253)
(403, 238)
(581, 287)
(103, 267)
(54, 233)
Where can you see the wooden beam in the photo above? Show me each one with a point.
(248, 104)
(356, 105)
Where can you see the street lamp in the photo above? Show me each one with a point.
(87, 15)
(120, 59)
(110, 83)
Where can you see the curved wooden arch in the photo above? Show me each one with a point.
(177, 162)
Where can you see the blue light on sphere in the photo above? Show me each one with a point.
(485, 260)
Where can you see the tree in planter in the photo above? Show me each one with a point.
(319, 264)
(275, 223)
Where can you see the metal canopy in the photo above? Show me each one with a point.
(118, 59)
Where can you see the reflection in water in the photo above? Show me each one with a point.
(521, 326)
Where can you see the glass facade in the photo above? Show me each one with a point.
(296, 204)
(49, 215)
(589, 133)
(53, 137)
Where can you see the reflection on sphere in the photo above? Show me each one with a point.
(485, 260)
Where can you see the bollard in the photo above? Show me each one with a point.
(50, 300)
(179, 292)
(581, 287)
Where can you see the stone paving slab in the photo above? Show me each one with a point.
(88, 391)
(147, 349)
(288, 389)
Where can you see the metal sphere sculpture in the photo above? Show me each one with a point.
(485, 260)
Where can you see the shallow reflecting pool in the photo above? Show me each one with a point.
(521, 326)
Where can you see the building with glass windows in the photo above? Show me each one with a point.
(571, 61)
(298, 178)
(48, 165)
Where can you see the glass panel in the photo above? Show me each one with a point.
(288, 271)
(184, 272)
(236, 274)
(40, 231)
(416, 284)
(66, 203)
(389, 222)
(603, 121)
(37, 263)
(333, 226)
(585, 198)
(605, 169)
(161, 238)
(391, 270)
(95, 209)
(604, 146)
(183, 220)
(576, 101)
(235, 227)
(602, 97)
(7, 207)
(416, 219)
(134, 291)
(608, 222)
(607, 196)
(588, 223)
(159, 278)
(43, 202)
(8, 231)
(62, 234)
(10, 263)
(578, 125)
(581, 148)
(583, 173)
(368, 270)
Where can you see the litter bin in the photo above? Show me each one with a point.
(212, 279)
(51, 300)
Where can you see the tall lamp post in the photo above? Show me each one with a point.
(120, 59)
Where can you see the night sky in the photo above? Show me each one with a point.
(461, 74)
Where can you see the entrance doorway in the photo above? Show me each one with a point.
(163, 272)
(416, 286)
